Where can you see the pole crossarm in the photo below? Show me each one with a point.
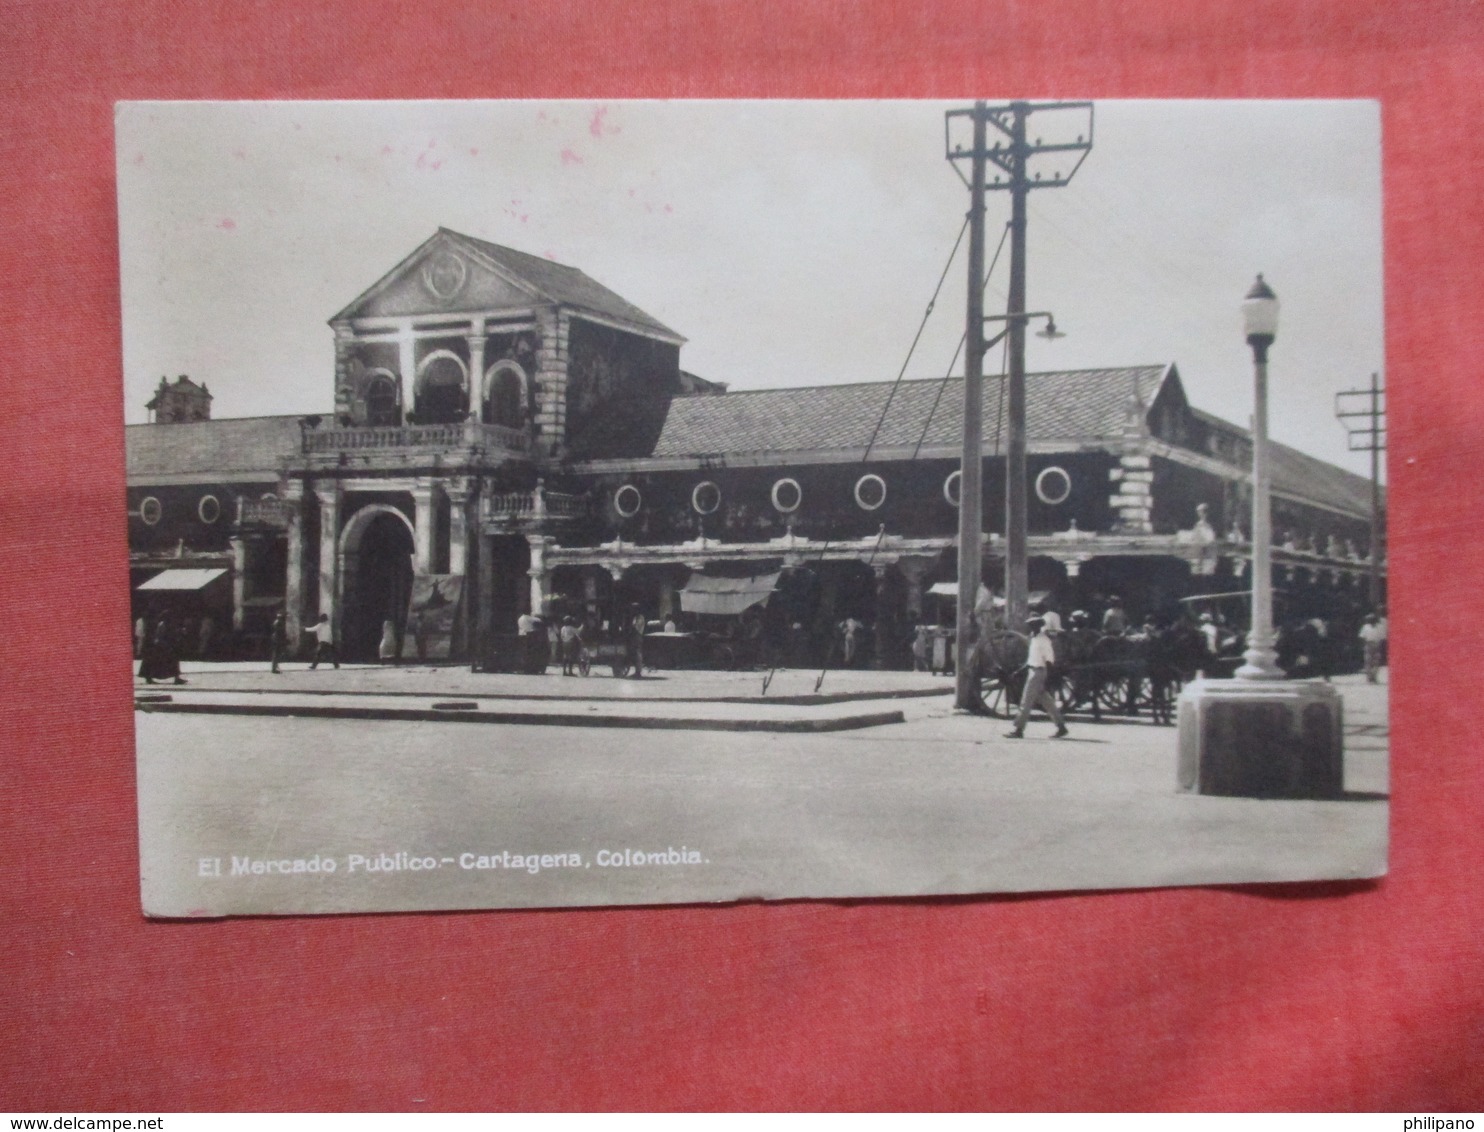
(1012, 157)
(1362, 414)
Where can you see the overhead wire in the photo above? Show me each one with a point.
(881, 417)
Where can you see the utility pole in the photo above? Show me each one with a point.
(971, 468)
(1017, 566)
(1368, 406)
(1012, 154)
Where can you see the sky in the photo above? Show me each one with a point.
(791, 243)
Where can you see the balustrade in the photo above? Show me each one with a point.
(459, 434)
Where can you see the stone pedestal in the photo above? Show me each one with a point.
(1261, 739)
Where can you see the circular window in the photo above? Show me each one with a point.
(1053, 486)
(870, 492)
(627, 501)
(952, 488)
(787, 495)
(210, 509)
(150, 510)
(706, 497)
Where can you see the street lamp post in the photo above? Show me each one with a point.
(1260, 321)
(1260, 735)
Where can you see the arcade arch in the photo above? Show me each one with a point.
(376, 550)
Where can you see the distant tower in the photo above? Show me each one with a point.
(179, 401)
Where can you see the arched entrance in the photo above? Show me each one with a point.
(505, 395)
(442, 395)
(376, 549)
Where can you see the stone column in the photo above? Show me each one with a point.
(407, 364)
(344, 394)
(539, 573)
(293, 587)
(239, 579)
(486, 567)
(459, 525)
(476, 368)
(551, 379)
(884, 622)
(423, 527)
(329, 495)
(912, 569)
(668, 605)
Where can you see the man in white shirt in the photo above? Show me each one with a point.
(324, 642)
(1371, 639)
(1039, 664)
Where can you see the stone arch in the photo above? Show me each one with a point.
(505, 394)
(383, 398)
(375, 570)
(441, 391)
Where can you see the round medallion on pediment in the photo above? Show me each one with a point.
(445, 275)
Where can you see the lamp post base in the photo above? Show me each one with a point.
(1261, 739)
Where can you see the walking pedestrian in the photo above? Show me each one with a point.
(324, 642)
(278, 640)
(1038, 664)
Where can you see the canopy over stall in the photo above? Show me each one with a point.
(726, 596)
(181, 580)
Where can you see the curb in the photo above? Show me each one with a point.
(536, 719)
(800, 699)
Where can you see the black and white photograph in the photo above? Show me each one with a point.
(546, 504)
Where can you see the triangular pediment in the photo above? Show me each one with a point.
(446, 274)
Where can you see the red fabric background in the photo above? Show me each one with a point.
(1367, 996)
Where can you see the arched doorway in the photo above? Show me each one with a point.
(377, 550)
(441, 394)
(381, 400)
(505, 396)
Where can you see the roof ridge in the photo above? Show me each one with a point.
(734, 392)
(226, 420)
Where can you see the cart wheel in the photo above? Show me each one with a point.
(584, 662)
(620, 668)
(996, 699)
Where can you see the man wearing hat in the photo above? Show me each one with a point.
(1036, 695)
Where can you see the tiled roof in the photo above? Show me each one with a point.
(563, 284)
(222, 449)
(1298, 474)
(1065, 405)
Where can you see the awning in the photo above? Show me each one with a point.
(950, 589)
(181, 580)
(727, 596)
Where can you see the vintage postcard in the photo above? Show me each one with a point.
(538, 504)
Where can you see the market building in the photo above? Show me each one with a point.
(505, 434)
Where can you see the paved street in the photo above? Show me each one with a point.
(940, 803)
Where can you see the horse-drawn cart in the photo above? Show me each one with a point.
(1094, 672)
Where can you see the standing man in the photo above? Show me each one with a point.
(324, 642)
(1115, 620)
(1039, 663)
(525, 626)
(278, 639)
(1370, 640)
(636, 626)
